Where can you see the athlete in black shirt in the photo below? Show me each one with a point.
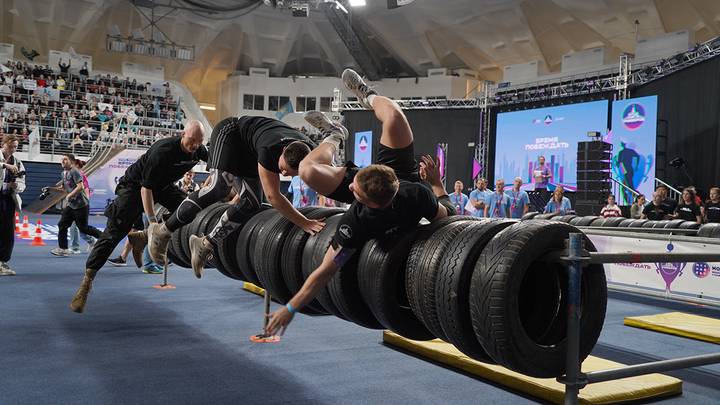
(151, 178)
(712, 206)
(688, 209)
(383, 205)
(243, 152)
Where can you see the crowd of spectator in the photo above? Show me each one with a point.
(75, 113)
(691, 206)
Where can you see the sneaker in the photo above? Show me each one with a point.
(138, 241)
(153, 269)
(327, 127)
(80, 299)
(5, 270)
(60, 252)
(200, 252)
(75, 251)
(158, 238)
(352, 80)
(118, 261)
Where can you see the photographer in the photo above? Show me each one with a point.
(12, 173)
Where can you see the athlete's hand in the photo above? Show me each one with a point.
(278, 321)
(429, 170)
(313, 226)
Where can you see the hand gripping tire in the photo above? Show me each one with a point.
(381, 276)
(452, 290)
(421, 269)
(518, 301)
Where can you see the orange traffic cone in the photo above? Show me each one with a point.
(25, 234)
(17, 222)
(38, 240)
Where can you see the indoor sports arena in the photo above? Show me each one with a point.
(359, 201)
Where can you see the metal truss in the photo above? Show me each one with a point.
(437, 104)
(340, 20)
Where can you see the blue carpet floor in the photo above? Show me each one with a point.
(135, 344)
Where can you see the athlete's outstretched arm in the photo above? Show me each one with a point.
(271, 187)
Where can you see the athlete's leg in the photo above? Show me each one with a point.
(317, 169)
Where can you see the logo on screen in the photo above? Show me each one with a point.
(701, 269)
(363, 144)
(549, 119)
(633, 116)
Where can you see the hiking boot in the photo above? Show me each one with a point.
(352, 80)
(201, 251)
(61, 252)
(80, 299)
(118, 261)
(138, 241)
(158, 238)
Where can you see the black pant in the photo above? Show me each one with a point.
(122, 213)
(7, 226)
(80, 217)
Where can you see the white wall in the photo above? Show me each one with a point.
(234, 87)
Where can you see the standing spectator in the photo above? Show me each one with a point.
(688, 208)
(478, 196)
(558, 202)
(74, 232)
(76, 208)
(657, 209)
(64, 67)
(497, 204)
(302, 195)
(636, 208)
(712, 206)
(458, 198)
(519, 199)
(84, 71)
(10, 186)
(542, 174)
(611, 209)
(187, 185)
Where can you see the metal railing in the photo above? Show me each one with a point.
(622, 191)
(575, 257)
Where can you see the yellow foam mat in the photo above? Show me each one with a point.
(680, 324)
(610, 392)
(253, 288)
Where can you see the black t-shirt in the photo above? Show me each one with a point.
(671, 204)
(261, 140)
(655, 212)
(688, 212)
(163, 164)
(712, 211)
(359, 224)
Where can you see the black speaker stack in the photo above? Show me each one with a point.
(594, 182)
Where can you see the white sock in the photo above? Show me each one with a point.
(332, 140)
(370, 99)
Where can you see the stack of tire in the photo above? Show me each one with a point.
(617, 222)
(479, 284)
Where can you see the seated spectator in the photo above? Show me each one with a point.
(657, 209)
(558, 202)
(60, 83)
(611, 209)
(688, 208)
(712, 206)
(671, 203)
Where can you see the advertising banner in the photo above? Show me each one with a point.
(686, 280)
(103, 181)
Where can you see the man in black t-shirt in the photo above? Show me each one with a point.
(151, 178)
(712, 207)
(669, 202)
(383, 205)
(656, 209)
(245, 153)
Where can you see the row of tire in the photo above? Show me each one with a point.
(711, 230)
(481, 284)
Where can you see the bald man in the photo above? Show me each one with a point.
(149, 180)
